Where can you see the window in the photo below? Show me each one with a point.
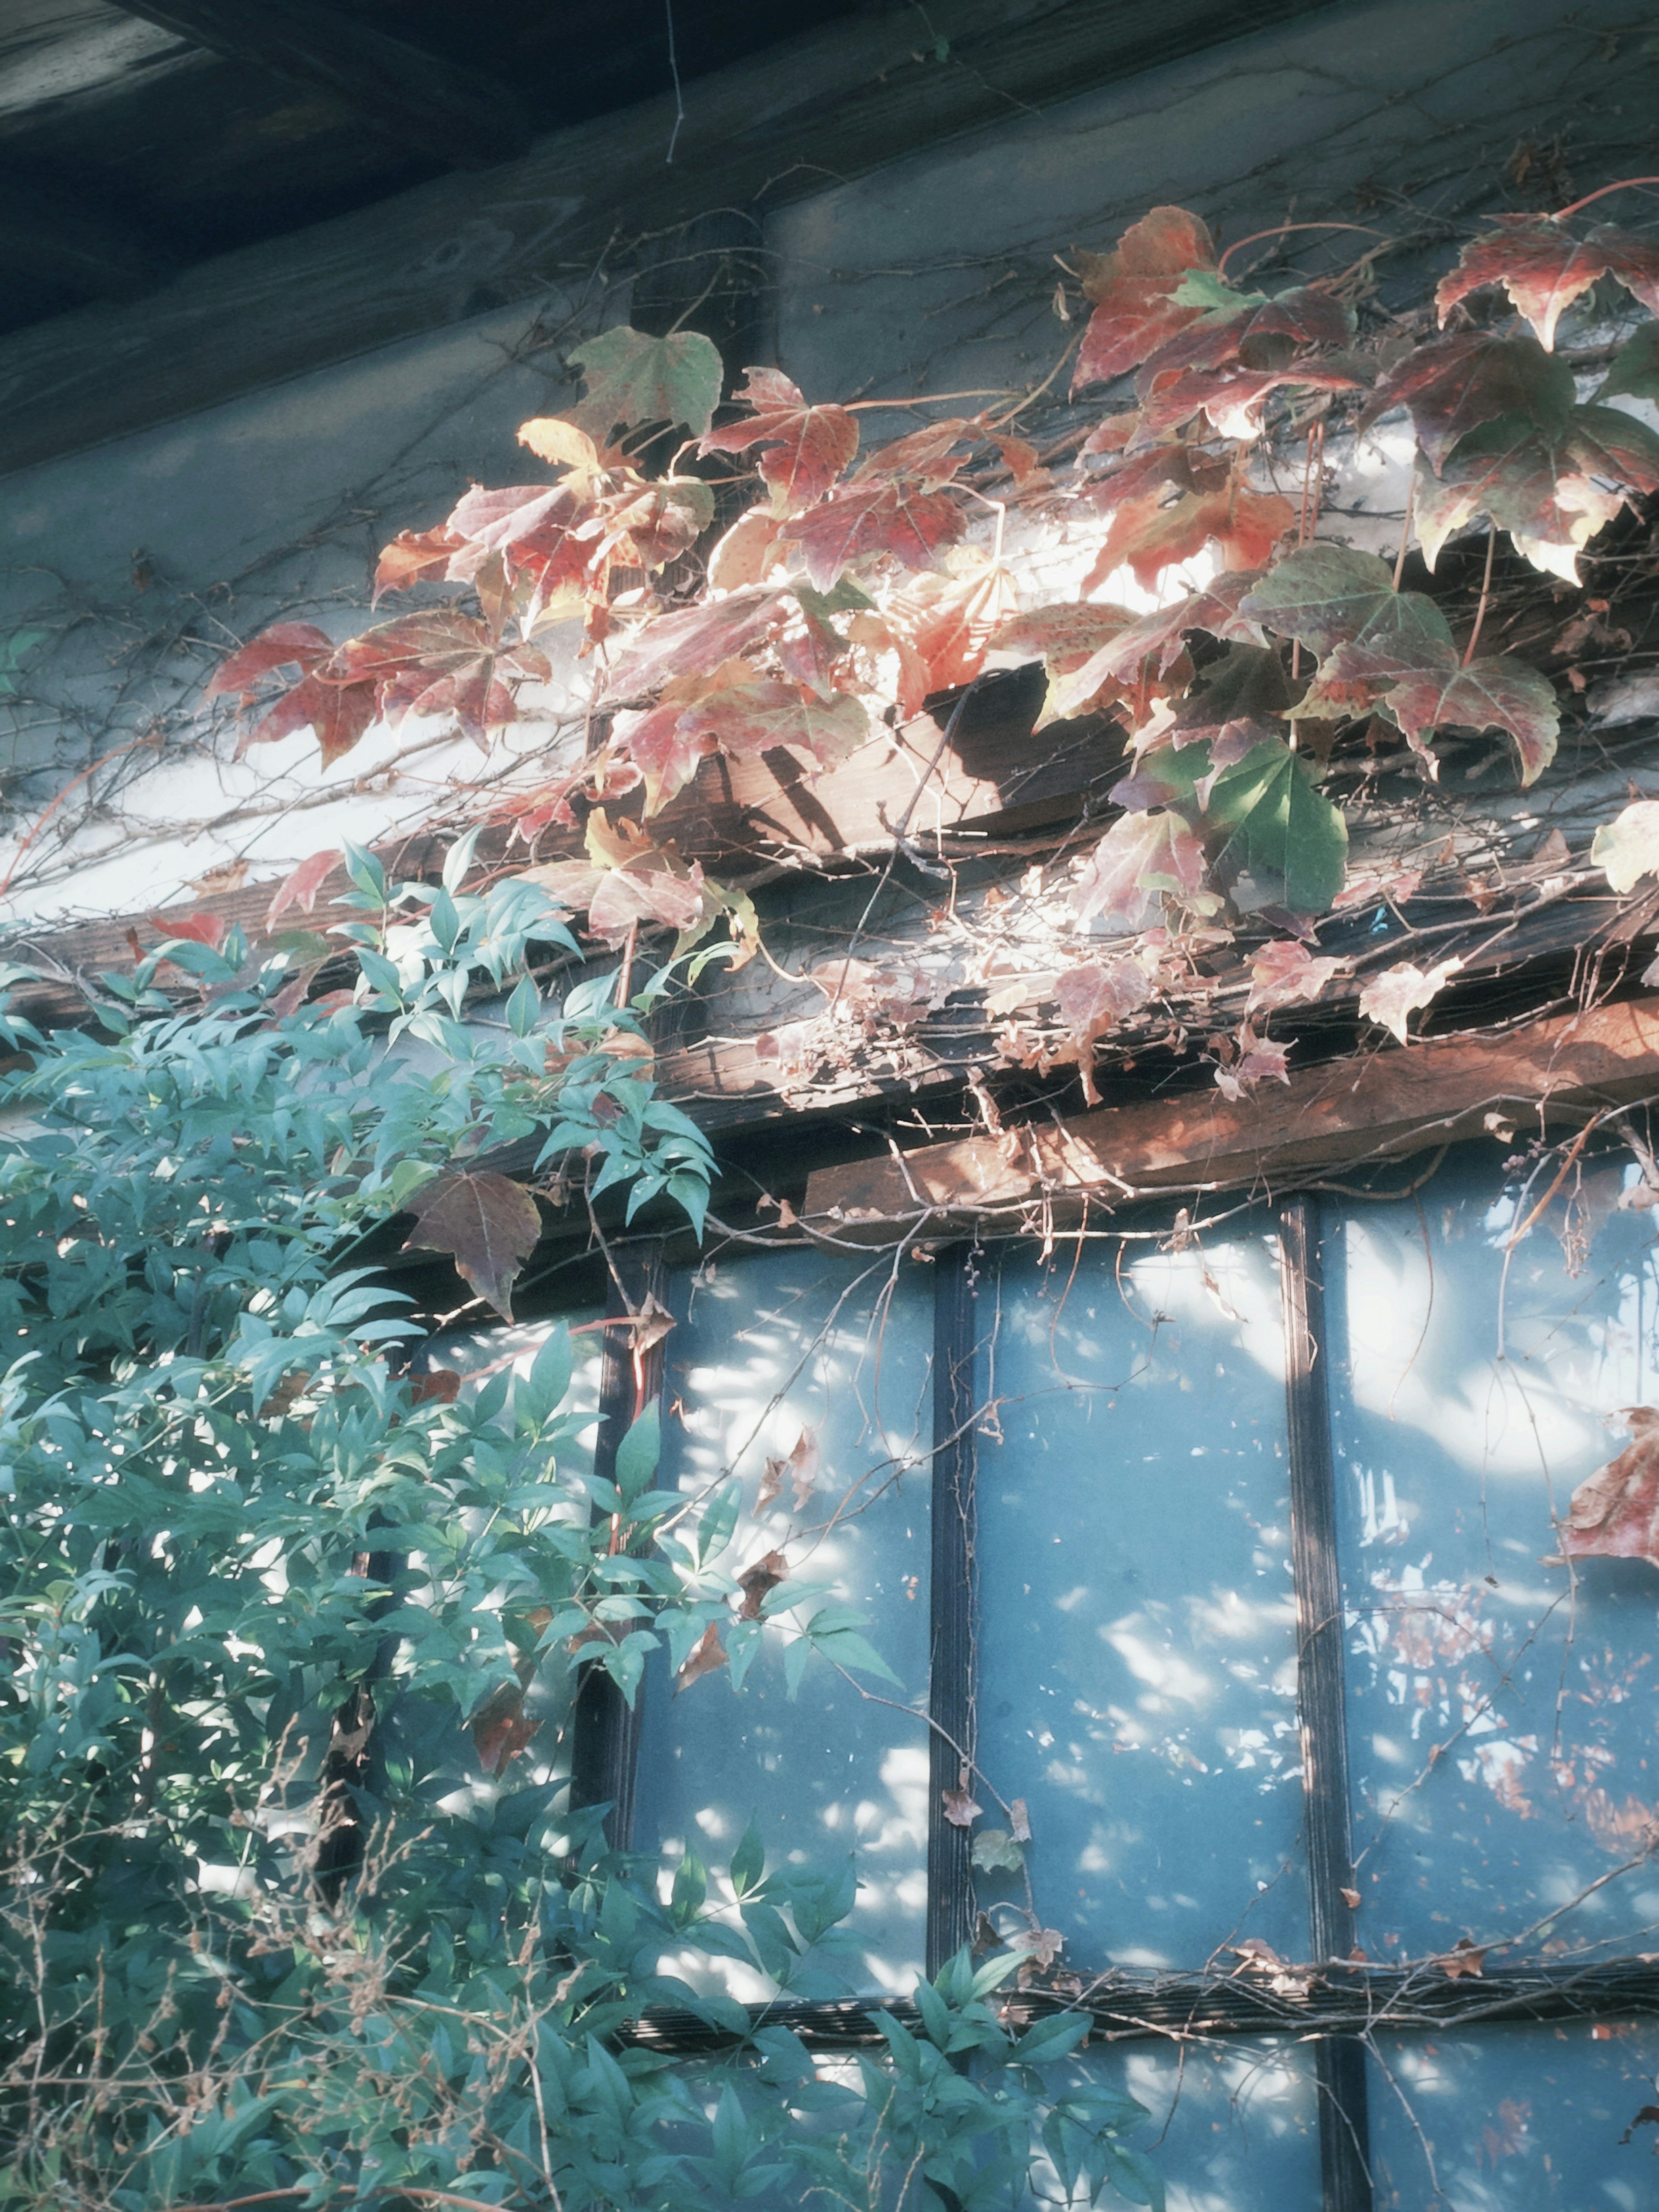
(1230, 1554)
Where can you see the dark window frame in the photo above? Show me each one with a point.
(1343, 2001)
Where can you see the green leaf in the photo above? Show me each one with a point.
(1327, 595)
(995, 1848)
(1635, 367)
(1274, 823)
(632, 379)
(637, 1454)
(748, 1861)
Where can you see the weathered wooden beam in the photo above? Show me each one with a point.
(1382, 1105)
(828, 104)
(423, 100)
(70, 242)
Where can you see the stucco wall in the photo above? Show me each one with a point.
(127, 570)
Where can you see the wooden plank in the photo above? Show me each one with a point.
(1384, 1104)
(421, 98)
(832, 103)
(69, 241)
(743, 819)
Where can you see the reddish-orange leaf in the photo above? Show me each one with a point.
(1499, 693)
(1065, 637)
(926, 455)
(1140, 856)
(950, 620)
(415, 557)
(300, 886)
(752, 718)
(338, 714)
(1615, 1513)
(804, 449)
(1135, 311)
(707, 1655)
(1232, 399)
(284, 645)
(1544, 268)
(209, 929)
(908, 525)
(488, 1224)
(500, 1729)
(629, 895)
(439, 1386)
(1245, 525)
(693, 641)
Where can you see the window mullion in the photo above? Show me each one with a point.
(605, 1729)
(950, 1748)
(1344, 2158)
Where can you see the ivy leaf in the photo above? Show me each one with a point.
(301, 885)
(1495, 693)
(632, 379)
(488, 1224)
(804, 449)
(706, 1656)
(1454, 384)
(1140, 856)
(1551, 494)
(300, 645)
(1327, 595)
(1157, 637)
(996, 1849)
(693, 641)
(1135, 291)
(1614, 1515)
(415, 557)
(1274, 824)
(1401, 990)
(335, 713)
(1635, 367)
(907, 524)
(1283, 972)
(753, 718)
(1544, 268)
(1244, 524)
(1628, 848)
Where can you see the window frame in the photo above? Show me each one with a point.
(1344, 2000)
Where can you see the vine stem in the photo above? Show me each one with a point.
(74, 783)
(1485, 595)
(1623, 184)
(1280, 229)
(1405, 526)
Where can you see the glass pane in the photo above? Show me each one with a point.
(1233, 2125)
(768, 1350)
(1500, 1706)
(454, 1765)
(1138, 1631)
(1516, 2119)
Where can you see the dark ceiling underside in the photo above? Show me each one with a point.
(137, 139)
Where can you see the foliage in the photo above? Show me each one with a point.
(862, 586)
(263, 1585)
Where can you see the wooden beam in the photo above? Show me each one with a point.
(455, 113)
(830, 104)
(1383, 1105)
(68, 241)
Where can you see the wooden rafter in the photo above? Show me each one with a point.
(1380, 1105)
(456, 114)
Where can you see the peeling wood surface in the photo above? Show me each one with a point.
(1384, 1105)
(831, 104)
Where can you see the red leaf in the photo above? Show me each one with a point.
(804, 448)
(500, 1729)
(1283, 972)
(1614, 1514)
(1135, 311)
(1245, 525)
(754, 717)
(626, 895)
(337, 713)
(1544, 268)
(488, 1226)
(439, 1386)
(1065, 638)
(414, 556)
(950, 620)
(1140, 856)
(1551, 492)
(209, 929)
(1452, 385)
(924, 454)
(1231, 398)
(909, 525)
(1093, 1000)
(692, 642)
(283, 644)
(960, 1810)
(1501, 693)
(707, 1656)
(300, 886)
